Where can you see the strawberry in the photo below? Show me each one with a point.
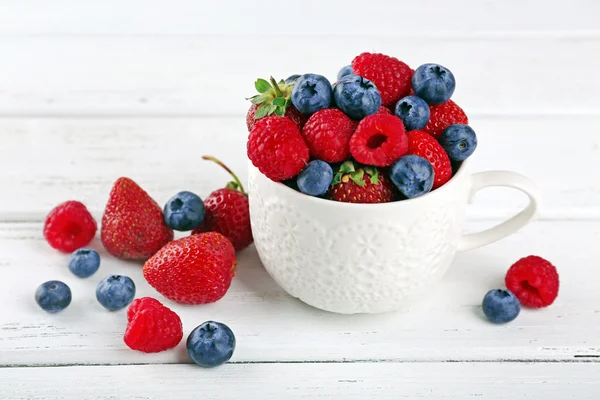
(276, 148)
(273, 99)
(360, 185)
(442, 116)
(227, 212)
(424, 145)
(133, 226)
(196, 269)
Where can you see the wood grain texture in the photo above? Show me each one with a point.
(446, 324)
(49, 160)
(207, 75)
(305, 381)
(190, 17)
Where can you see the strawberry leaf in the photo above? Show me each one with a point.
(258, 99)
(373, 173)
(279, 101)
(261, 111)
(261, 85)
(272, 109)
(336, 179)
(280, 111)
(357, 177)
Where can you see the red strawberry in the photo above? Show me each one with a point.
(424, 145)
(227, 212)
(442, 116)
(69, 226)
(276, 148)
(133, 226)
(151, 326)
(379, 140)
(534, 281)
(196, 269)
(327, 133)
(363, 185)
(273, 99)
(290, 112)
(391, 76)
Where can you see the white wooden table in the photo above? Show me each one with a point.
(142, 89)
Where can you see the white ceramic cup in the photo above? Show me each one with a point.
(370, 258)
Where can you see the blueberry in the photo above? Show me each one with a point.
(459, 141)
(315, 178)
(501, 306)
(53, 296)
(291, 78)
(356, 96)
(84, 262)
(413, 111)
(412, 175)
(184, 211)
(433, 83)
(211, 344)
(115, 292)
(311, 93)
(347, 70)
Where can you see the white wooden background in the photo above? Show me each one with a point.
(90, 91)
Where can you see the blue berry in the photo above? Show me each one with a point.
(211, 344)
(413, 111)
(311, 93)
(347, 70)
(412, 175)
(184, 211)
(291, 78)
(315, 178)
(115, 292)
(53, 296)
(84, 262)
(501, 306)
(433, 83)
(459, 141)
(356, 96)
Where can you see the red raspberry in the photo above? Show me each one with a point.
(424, 145)
(276, 148)
(327, 133)
(69, 227)
(442, 116)
(290, 112)
(379, 140)
(534, 281)
(391, 76)
(196, 269)
(384, 110)
(151, 326)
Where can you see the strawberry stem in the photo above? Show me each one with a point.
(226, 168)
(276, 87)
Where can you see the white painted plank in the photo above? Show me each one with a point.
(271, 326)
(213, 74)
(306, 381)
(382, 17)
(46, 161)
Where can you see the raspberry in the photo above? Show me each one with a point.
(69, 227)
(379, 140)
(384, 110)
(276, 148)
(327, 133)
(391, 76)
(151, 326)
(534, 281)
(424, 145)
(442, 116)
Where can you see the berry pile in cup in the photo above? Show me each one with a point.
(382, 132)
(196, 269)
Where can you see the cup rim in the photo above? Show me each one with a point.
(462, 170)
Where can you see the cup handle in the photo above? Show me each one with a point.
(482, 180)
